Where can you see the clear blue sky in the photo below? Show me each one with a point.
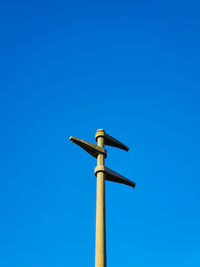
(70, 68)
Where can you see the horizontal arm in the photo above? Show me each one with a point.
(113, 176)
(110, 141)
(90, 148)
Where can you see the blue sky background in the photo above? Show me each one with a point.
(70, 68)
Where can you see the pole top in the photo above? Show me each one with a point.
(100, 132)
(109, 140)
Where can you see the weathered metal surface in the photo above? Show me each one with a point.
(109, 140)
(90, 148)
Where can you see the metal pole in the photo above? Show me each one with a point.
(102, 173)
(100, 246)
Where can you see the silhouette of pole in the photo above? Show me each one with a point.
(102, 173)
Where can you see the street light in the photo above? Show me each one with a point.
(102, 173)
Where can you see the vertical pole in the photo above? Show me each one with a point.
(100, 246)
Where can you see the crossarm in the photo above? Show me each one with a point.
(90, 148)
(114, 177)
